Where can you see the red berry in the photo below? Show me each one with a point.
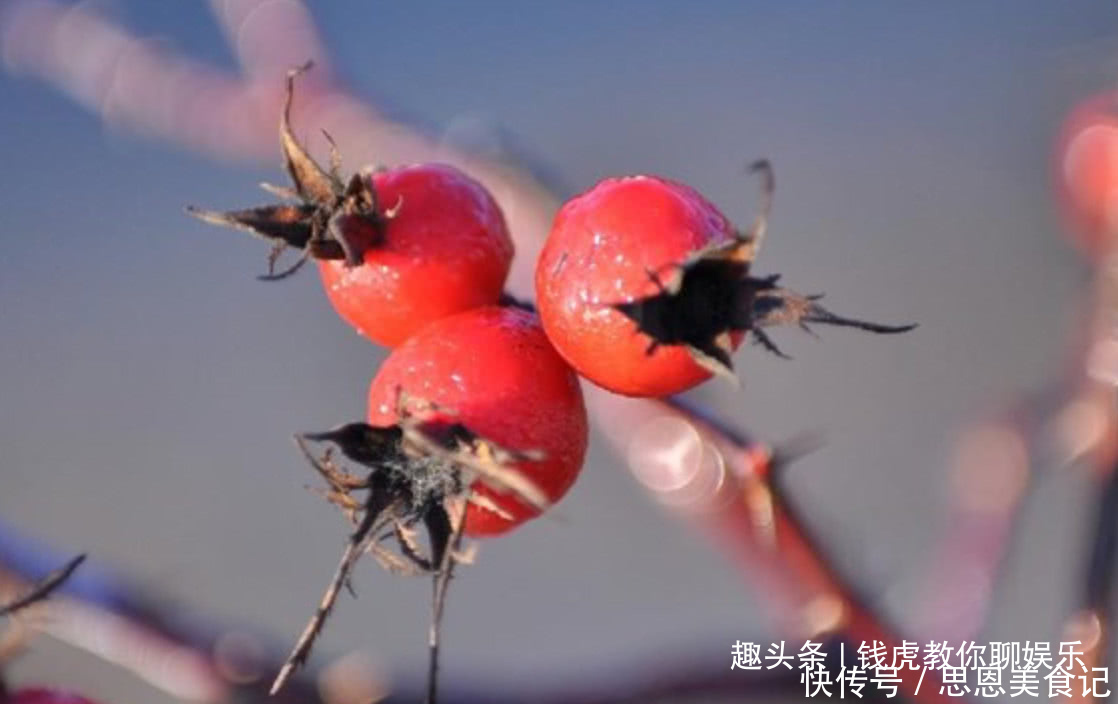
(602, 248)
(1086, 173)
(397, 249)
(644, 286)
(42, 695)
(497, 371)
(446, 250)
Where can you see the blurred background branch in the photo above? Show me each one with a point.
(193, 658)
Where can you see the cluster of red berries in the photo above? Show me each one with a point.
(476, 420)
(415, 258)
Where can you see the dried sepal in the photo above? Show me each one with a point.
(703, 300)
(365, 444)
(771, 305)
(331, 210)
(395, 563)
(290, 225)
(483, 501)
(357, 202)
(281, 192)
(694, 306)
(754, 235)
(715, 357)
(492, 464)
(419, 470)
(335, 159)
(312, 183)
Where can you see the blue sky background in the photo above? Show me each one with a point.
(148, 384)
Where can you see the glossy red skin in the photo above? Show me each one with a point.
(1086, 173)
(602, 245)
(496, 368)
(42, 695)
(447, 250)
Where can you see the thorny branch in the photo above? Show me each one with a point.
(731, 494)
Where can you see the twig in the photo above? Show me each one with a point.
(439, 583)
(44, 587)
(357, 544)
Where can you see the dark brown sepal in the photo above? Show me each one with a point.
(420, 470)
(288, 225)
(772, 305)
(695, 306)
(715, 357)
(493, 464)
(313, 184)
(336, 219)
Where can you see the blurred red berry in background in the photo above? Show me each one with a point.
(1086, 166)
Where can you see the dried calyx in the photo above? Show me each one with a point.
(710, 296)
(333, 218)
(418, 471)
